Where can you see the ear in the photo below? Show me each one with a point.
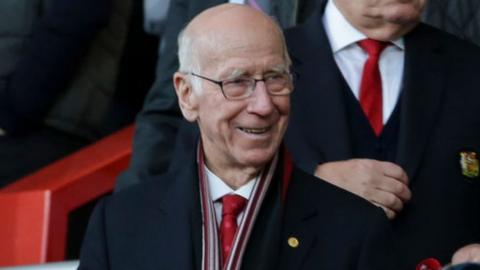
(187, 99)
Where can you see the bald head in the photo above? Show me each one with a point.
(226, 26)
(237, 90)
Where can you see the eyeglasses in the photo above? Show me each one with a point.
(276, 83)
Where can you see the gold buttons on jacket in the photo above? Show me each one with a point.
(293, 242)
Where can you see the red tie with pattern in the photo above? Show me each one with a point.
(371, 84)
(232, 205)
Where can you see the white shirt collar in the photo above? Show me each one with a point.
(341, 33)
(218, 188)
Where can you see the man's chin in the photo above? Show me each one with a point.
(402, 16)
(390, 32)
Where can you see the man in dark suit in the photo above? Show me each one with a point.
(234, 81)
(422, 168)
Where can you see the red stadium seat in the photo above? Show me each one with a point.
(34, 210)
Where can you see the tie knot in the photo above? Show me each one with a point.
(232, 204)
(373, 47)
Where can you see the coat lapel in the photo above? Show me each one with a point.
(422, 91)
(263, 245)
(178, 227)
(318, 101)
(299, 241)
(298, 236)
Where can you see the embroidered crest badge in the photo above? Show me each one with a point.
(469, 164)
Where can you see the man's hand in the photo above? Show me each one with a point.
(384, 184)
(469, 253)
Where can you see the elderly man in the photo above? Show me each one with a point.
(228, 205)
(400, 101)
(160, 119)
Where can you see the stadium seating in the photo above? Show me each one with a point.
(34, 210)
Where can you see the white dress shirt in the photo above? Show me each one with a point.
(350, 58)
(218, 189)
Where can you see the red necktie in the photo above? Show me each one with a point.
(371, 85)
(232, 205)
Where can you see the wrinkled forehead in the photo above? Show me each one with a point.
(253, 54)
(231, 28)
(241, 46)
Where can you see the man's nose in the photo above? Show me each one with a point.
(260, 102)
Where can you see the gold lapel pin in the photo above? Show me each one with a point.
(469, 164)
(293, 242)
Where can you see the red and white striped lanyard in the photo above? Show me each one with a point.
(211, 259)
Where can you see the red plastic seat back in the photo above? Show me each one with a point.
(34, 210)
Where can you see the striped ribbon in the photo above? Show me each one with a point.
(211, 259)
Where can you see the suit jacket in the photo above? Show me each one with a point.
(158, 225)
(439, 117)
(158, 124)
(450, 15)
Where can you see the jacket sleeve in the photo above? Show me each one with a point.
(94, 252)
(378, 251)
